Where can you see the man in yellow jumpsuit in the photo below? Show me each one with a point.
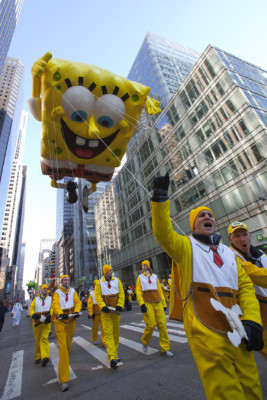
(95, 313)
(208, 269)
(152, 302)
(109, 293)
(65, 301)
(254, 262)
(40, 311)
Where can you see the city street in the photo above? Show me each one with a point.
(139, 376)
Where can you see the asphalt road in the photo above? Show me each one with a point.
(139, 376)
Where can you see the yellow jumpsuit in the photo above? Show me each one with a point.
(155, 316)
(40, 333)
(94, 309)
(64, 330)
(226, 372)
(259, 278)
(111, 321)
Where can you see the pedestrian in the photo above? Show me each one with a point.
(3, 311)
(65, 302)
(209, 270)
(254, 262)
(16, 313)
(94, 312)
(153, 305)
(41, 311)
(109, 293)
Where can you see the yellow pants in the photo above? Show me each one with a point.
(264, 350)
(111, 326)
(130, 298)
(64, 334)
(95, 324)
(226, 372)
(155, 316)
(41, 347)
(167, 296)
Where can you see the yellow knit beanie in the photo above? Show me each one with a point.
(64, 276)
(146, 262)
(44, 287)
(106, 268)
(194, 213)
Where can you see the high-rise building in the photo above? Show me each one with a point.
(20, 266)
(64, 223)
(162, 65)
(11, 99)
(16, 191)
(9, 15)
(214, 145)
(85, 247)
(46, 246)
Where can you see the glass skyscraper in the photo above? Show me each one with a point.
(9, 15)
(162, 65)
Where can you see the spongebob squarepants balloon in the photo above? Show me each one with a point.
(88, 116)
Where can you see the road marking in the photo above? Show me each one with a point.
(87, 327)
(171, 337)
(169, 330)
(97, 353)
(137, 346)
(54, 357)
(13, 384)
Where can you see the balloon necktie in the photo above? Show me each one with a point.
(216, 257)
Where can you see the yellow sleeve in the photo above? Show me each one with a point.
(90, 305)
(32, 308)
(98, 296)
(121, 297)
(256, 274)
(77, 303)
(138, 292)
(178, 247)
(56, 305)
(247, 298)
(161, 294)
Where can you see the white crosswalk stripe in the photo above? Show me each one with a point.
(13, 383)
(141, 330)
(97, 353)
(179, 332)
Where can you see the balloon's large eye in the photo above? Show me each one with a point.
(109, 110)
(78, 103)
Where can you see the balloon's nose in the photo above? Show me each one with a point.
(93, 130)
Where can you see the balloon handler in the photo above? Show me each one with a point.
(94, 312)
(254, 262)
(153, 305)
(65, 302)
(109, 295)
(41, 311)
(88, 116)
(205, 270)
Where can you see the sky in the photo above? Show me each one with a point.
(108, 34)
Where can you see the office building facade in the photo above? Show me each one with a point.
(9, 15)
(11, 99)
(213, 142)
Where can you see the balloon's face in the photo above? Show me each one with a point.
(88, 114)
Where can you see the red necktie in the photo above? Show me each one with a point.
(66, 298)
(109, 285)
(149, 280)
(216, 258)
(43, 303)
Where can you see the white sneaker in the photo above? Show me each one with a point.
(145, 348)
(64, 387)
(167, 353)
